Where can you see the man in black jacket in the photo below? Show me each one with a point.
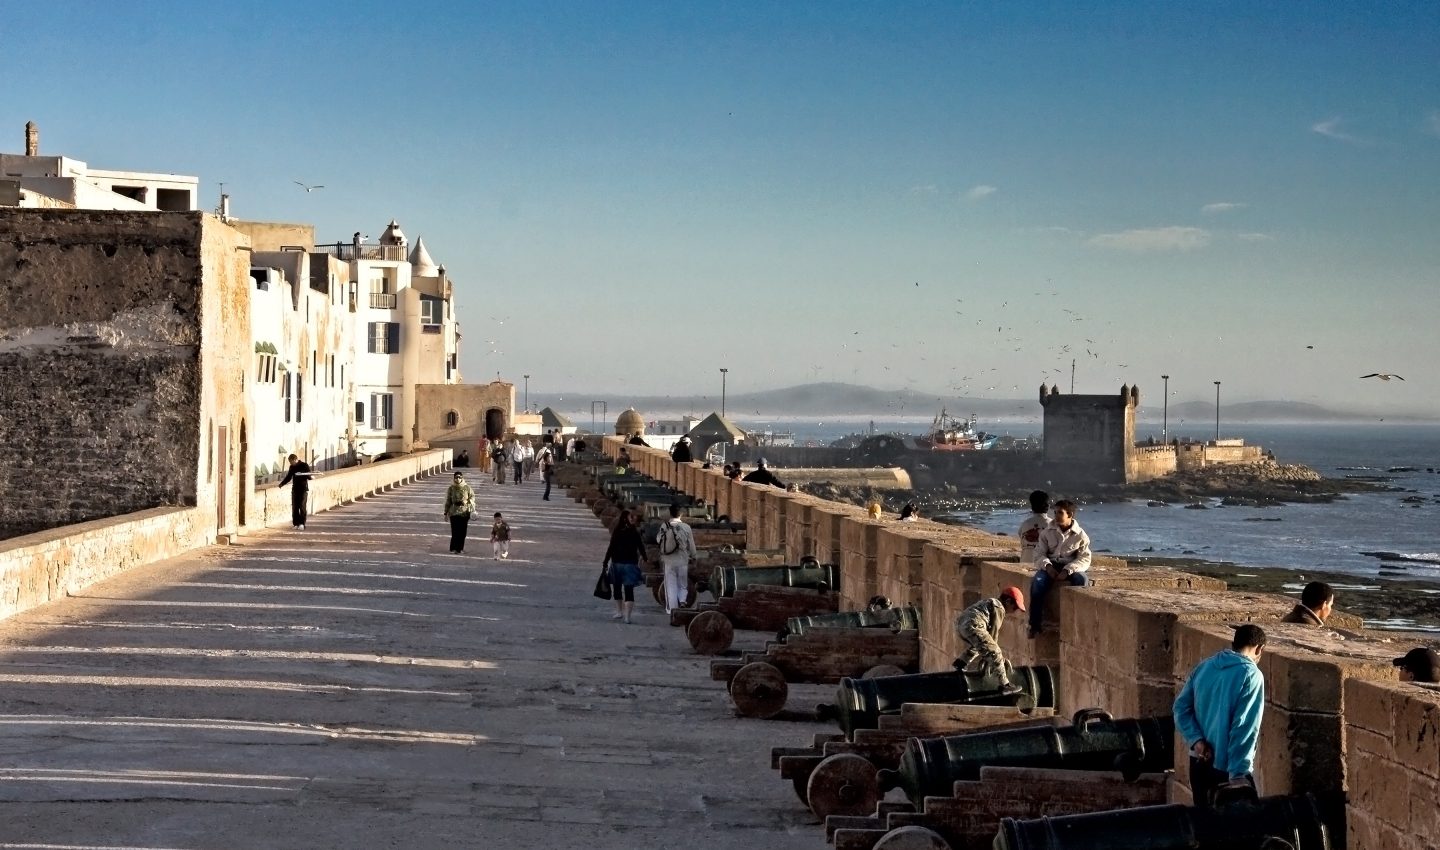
(761, 475)
(681, 452)
(299, 473)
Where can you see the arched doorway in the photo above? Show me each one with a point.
(494, 424)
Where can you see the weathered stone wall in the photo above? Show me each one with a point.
(1392, 737)
(469, 403)
(1088, 438)
(100, 370)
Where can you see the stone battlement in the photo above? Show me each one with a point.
(1128, 642)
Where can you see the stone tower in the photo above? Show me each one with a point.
(1089, 438)
(32, 139)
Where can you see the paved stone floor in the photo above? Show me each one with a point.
(355, 685)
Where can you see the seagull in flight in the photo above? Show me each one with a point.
(1384, 376)
(308, 189)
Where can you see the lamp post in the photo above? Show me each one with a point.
(604, 411)
(527, 393)
(723, 373)
(1217, 413)
(1165, 412)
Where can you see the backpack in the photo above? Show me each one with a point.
(669, 540)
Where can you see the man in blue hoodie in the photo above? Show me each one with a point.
(1218, 711)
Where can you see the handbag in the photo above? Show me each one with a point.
(602, 584)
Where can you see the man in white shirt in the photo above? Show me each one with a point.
(1062, 554)
(677, 553)
(1032, 525)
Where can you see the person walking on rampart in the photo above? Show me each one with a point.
(482, 455)
(500, 537)
(677, 552)
(622, 562)
(1317, 600)
(1032, 525)
(978, 627)
(527, 457)
(681, 452)
(1062, 554)
(515, 456)
(459, 505)
(497, 459)
(1218, 712)
(298, 477)
(546, 461)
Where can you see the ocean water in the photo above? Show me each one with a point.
(1330, 537)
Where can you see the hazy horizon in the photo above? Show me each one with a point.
(960, 197)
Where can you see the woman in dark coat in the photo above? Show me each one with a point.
(623, 559)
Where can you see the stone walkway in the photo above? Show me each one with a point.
(355, 685)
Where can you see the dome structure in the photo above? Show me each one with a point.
(630, 422)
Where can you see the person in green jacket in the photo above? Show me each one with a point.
(459, 504)
(978, 627)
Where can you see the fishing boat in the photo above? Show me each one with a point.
(957, 434)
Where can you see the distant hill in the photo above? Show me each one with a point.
(839, 399)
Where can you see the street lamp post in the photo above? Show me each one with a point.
(527, 393)
(1165, 412)
(604, 411)
(723, 373)
(1217, 413)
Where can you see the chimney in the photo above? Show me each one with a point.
(32, 139)
(224, 207)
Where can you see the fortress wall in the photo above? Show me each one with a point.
(1392, 757)
(1148, 462)
(1335, 716)
(100, 379)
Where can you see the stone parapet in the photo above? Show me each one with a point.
(1392, 736)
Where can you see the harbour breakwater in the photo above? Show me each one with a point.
(1337, 718)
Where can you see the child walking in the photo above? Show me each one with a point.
(500, 537)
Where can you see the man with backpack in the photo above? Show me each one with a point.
(677, 553)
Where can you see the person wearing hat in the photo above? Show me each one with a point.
(979, 628)
(761, 475)
(1419, 665)
(459, 504)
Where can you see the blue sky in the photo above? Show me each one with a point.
(631, 196)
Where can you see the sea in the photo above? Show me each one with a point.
(1367, 535)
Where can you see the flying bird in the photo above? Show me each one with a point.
(305, 187)
(1384, 376)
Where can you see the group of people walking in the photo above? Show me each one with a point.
(675, 542)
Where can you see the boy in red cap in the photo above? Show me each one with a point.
(979, 627)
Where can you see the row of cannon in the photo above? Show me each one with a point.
(977, 768)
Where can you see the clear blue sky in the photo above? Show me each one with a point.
(646, 192)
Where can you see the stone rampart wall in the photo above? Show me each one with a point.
(1336, 717)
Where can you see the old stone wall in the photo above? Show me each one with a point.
(100, 379)
(1336, 717)
(1088, 437)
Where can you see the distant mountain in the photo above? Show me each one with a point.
(839, 399)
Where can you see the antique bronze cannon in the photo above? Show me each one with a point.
(898, 619)
(860, 702)
(930, 767)
(1303, 822)
(809, 574)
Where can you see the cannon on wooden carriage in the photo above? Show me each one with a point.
(898, 619)
(860, 702)
(809, 574)
(1094, 741)
(1301, 822)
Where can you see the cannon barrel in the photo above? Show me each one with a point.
(930, 767)
(724, 581)
(1303, 822)
(860, 702)
(899, 619)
